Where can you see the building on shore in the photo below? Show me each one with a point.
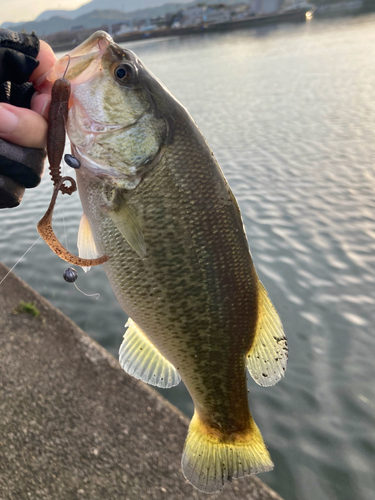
(202, 14)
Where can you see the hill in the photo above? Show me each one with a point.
(93, 19)
(119, 5)
(99, 18)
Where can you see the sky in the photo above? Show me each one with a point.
(26, 10)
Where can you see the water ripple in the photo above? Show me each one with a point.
(290, 114)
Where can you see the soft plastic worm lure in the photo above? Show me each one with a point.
(58, 114)
(46, 232)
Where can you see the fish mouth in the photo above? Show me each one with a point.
(80, 67)
(83, 61)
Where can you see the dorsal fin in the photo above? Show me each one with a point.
(85, 241)
(268, 356)
(141, 359)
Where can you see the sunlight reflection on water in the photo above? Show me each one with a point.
(290, 113)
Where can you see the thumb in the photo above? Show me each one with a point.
(22, 126)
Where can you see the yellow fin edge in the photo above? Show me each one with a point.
(209, 461)
(140, 358)
(268, 355)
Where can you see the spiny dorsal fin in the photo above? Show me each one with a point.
(210, 460)
(85, 242)
(128, 225)
(141, 359)
(268, 355)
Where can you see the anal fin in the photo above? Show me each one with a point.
(268, 355)
(85, 242)
(140, 358)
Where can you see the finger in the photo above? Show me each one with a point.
(47, 59)
(42, 98)
(40, 103)
(22, 126)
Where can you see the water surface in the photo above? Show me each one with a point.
(289, 112)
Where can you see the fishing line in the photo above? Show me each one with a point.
(27, 251)
(19, 260)
(67, 66)
(70, 276)
(63, 166)
(62, 210)
(96, 295)
(63, 218)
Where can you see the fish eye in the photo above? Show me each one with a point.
(124, 72)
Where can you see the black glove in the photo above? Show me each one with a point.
(20, 167)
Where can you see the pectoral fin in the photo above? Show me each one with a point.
(141, 359)
(128, 225)
(85, 242)
(268, 356)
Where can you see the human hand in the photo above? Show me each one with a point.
(22, 130)
(28, 127)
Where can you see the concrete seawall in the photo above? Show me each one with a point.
(75, 426)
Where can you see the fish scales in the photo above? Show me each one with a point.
(198, 294)
(157, 204)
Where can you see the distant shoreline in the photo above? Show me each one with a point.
(294, 16)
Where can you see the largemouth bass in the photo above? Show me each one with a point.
(157, 204)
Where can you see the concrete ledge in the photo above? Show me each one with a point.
(75, 426)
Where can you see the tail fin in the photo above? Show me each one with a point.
(210, 460)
